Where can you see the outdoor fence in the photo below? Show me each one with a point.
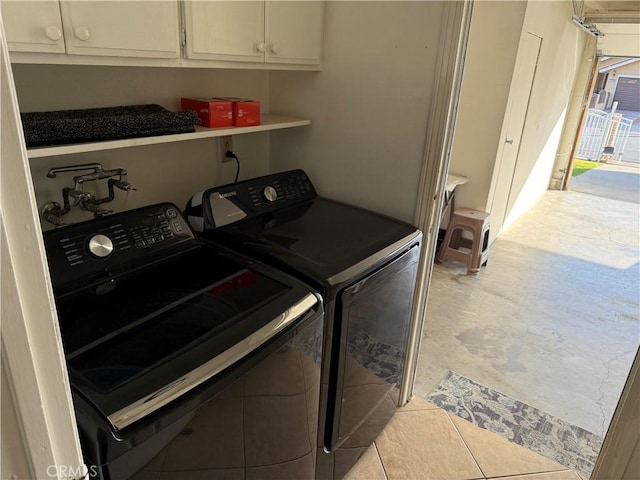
(604, 133)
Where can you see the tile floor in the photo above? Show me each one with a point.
(423, 442)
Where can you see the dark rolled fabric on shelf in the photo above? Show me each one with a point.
(99, 124)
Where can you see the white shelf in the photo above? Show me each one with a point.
(268, 122)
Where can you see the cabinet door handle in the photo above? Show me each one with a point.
(274, 48)
(82, 33)
(53, 33)
(509, 141)
(260, 47)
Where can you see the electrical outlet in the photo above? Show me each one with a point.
(225, 143)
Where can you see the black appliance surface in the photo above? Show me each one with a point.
(302, 232)
(161, 330)
(365, 265)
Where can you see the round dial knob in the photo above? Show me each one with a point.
(82, 33)
(53, 33)
(270, 194)
(101, 246)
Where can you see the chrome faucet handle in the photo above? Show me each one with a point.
(77, 195)
(52, 212)
(121, 184)
(97, 210)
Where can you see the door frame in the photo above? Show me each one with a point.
(456, 23)
(584, 108)
(32, 355)
(622, 441)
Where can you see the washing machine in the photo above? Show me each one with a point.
(186, 360)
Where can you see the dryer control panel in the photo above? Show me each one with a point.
(102, 245)
(220, 206)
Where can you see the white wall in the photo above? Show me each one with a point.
(368, 106)
(52, 87)
(491, 54)
(560, 59)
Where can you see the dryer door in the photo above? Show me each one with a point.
(375, 316)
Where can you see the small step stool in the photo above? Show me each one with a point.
(472, 252)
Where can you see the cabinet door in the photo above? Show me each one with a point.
(33, 26)
(294, 32)
(225, 30)
(122, 28)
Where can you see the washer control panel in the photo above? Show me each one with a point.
(231, 203)
(279, 190)
(97, 246)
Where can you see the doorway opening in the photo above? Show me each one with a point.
(539, 345)
(606, 161)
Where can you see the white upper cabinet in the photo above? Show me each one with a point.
(225, 30)
(33, 26)
(293, 32)
(148, 29)
(287, 32)
(260, 34)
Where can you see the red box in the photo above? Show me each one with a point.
(214, 112)
(245, 112)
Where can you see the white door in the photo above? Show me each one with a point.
(294, 32)
(225, 30)
(122, 28)
(517, 106)
(33, 26)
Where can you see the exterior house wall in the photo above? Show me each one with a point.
(606, 93)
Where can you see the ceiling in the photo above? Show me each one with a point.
(623, 11)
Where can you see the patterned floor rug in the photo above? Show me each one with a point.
(518, 422)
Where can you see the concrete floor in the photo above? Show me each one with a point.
(617, 181)
(553, 320)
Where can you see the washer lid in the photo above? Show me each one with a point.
(325, 240)
(158, 331)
